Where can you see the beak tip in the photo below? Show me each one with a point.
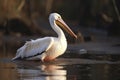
(76, 37)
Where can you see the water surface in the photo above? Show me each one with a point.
(67, 67)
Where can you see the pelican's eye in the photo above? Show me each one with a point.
(59, 17)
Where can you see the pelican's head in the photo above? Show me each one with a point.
(55, 17)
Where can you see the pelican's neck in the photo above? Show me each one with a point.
(58, 30)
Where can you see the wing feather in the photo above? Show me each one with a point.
(34, 47)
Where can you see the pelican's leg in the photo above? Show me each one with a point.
(42, 57)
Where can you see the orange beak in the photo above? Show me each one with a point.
(63, 25)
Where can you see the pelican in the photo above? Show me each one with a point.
(47, 48)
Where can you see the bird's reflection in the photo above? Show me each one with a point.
(53, 72)
(41, 72)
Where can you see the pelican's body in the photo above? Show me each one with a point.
(47, 48)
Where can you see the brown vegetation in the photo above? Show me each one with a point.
(100, 13)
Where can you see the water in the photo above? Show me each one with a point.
(66, 67)
(61, 69)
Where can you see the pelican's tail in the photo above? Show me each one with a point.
(16, 57)
(19, 53)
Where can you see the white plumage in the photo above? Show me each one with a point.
(47, 48)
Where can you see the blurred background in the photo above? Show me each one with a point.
(30, 17)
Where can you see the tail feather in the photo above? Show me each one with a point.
(16, 57)
(19, 53)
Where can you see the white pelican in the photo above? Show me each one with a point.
(47, 48)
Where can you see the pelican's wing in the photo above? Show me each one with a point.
(34, 47)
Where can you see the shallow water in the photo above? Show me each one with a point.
(66, 67)
(61, 69)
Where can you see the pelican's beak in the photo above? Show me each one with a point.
(62, 24)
